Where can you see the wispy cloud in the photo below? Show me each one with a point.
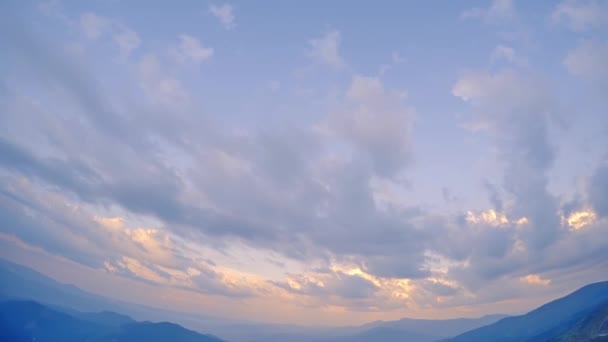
(225, 14)
(326, 49)
(581, 15)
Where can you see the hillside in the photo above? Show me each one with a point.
(548, 321)
(31, 321)
(591, 326)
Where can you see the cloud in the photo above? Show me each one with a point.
(588, 60)
(139, 270)
(349, 288)
(494, 195)
(397, 58)
(138, 178)
(93, 25)
(580, 219)
(225, 14)
(598, 190)
(507, 54)
(378, 122)
(325, 49)
(160, 87)
(127, 41)
(391, 267)
(190, 50)
(581, 15)
(150, 254)
(333, 284)
(499, 11)
(439, 287)
(516, 109)
(535, 279)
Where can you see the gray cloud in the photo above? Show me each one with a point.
(598, 190)
(302, 191)
(495, 198)
(272, 189)
(516, 109)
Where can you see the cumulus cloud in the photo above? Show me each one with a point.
(224, 13)
(325, 49)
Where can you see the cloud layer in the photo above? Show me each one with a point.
(118, 152)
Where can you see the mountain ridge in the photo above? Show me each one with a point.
(553, 315)
(26, 320)
(22, 282)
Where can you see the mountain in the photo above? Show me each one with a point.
(549, 322)
(591, 325)
(421, 330)
(31, 321)
(407, 329)
(387, 334)
(20, 282)
(105, 318)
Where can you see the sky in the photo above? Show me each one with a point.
(320, 162)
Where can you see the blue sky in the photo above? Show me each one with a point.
(338, 161)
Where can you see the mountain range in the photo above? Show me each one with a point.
(52, 311)
(583, 312)
(31, 321)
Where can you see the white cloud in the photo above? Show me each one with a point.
(503, 92)
(159, 87)
(498, 11)
(93, 25)
(581, 15)
(397, 58)
(191, 50)
(588, 60)
(508, 54)
(127, 41)
(325, 50)
(225, 14)
(503, 52)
